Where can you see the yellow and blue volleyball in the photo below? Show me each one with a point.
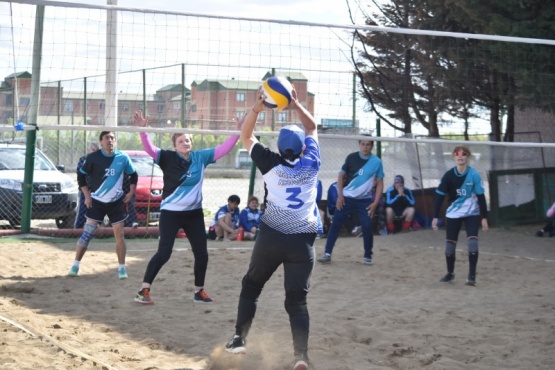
(277, 90)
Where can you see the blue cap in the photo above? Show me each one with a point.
(291, 137)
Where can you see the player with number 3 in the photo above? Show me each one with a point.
(288, 226)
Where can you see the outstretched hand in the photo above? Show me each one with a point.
(240, 122)
(139, 119)
(294, 101)
(259, 103)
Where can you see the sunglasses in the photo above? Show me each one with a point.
(460, 153)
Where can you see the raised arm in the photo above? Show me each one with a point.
(145, 139)
(224, 148)
(309, 124)
(249, 121)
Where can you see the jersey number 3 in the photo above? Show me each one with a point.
(296, 203)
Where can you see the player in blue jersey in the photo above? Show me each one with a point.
(288, 226)
(101, 181)
(181, 204)
(463, 188)
(354, 194)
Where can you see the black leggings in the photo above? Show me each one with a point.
(192, 223)
(271, 249)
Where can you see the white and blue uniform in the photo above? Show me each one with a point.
(461, 190)
(290, 188)
(183, 178)
(287, 232)
(360, 175)
(103, 174)
(222, 212)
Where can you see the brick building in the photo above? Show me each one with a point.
(209, 104)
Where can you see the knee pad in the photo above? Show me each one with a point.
(88, 233)
(450, 248)
(472, 245)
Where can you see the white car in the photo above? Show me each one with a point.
(54, 192)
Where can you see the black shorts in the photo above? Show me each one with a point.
(116, 211)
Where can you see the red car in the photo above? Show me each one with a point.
(148, 195)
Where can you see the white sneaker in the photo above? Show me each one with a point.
(368, 261)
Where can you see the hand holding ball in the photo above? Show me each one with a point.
(278, 91)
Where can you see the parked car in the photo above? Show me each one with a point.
(148, 195)
(54, 192)
(243, 159)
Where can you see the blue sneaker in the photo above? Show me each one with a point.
(73, 271)
(122, 273)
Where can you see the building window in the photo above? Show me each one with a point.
(160, 108)
(241, 96)
(68, 106)
(101, 121)
(24, 102)
(239, 114)
(140, 106)
(193, 108)
(125, 107)
(176, 105)
(102, 105)
(8, 99)
(282, 116)
(261, 116)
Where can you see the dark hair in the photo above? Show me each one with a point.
(103, 133)
(289, 155)
(370, 139)
(234, 199)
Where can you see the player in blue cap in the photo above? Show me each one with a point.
(288, 226)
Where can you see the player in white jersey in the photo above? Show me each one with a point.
(463, 188)
(288, 226)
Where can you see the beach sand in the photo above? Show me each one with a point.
(392, 315)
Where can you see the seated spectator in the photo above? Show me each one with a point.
(249, 219)
(399, 202)
(352, 223)
(226, 221)
(550, 225)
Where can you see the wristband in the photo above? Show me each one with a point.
(255, 111)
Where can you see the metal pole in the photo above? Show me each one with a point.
(30, 146)
(354, 100)
(379, 134)
(111, 97)
(183, 101)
